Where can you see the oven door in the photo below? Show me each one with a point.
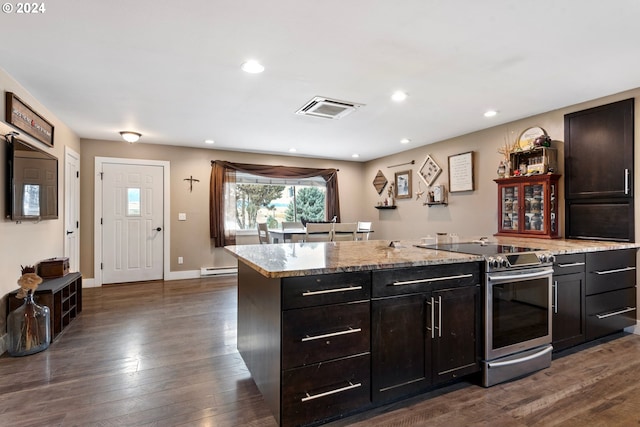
(518, 310)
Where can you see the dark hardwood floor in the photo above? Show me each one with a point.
(164, 354)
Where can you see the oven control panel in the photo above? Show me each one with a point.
(518, 260)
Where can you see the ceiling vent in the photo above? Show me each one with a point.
(328, 108)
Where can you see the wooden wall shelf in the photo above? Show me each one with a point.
(386, 207)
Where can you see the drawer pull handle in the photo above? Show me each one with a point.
(332, 334)
(617, 270)
(572, 264)
(435, 279)
(330, 291)
(615, 313)
(328, 393)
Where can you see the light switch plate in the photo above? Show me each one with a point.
(182, 216)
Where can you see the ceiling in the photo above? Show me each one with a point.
(171, 70)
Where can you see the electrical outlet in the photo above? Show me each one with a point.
(180, 260)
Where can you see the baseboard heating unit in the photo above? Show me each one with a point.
(217, 271)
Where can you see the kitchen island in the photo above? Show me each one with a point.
(326, 331)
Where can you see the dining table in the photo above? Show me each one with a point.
(278, 235)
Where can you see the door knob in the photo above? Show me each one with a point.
(159, 229)
(69, 232)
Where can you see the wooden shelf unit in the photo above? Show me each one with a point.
(63, 296)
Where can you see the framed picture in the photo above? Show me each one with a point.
(23, 117)
(461, 172)
(403, 184)
(429, 171)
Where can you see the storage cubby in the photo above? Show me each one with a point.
(63, 296)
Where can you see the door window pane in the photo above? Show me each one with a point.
(133, 202)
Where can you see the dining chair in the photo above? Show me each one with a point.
(344, 231)
(319, 232)
(364, 228)
(296, 225)
(263, 233)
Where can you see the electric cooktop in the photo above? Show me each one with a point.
(478, 248)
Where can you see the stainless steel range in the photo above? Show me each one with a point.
(517, 311)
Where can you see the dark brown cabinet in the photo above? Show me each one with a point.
(426, 328)
(610, 292)
(306, 341)
(568, 301)
(598, 157)
(527, 206)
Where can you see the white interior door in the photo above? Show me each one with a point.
(132, 222)
(72, 208)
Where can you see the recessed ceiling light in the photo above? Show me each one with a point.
(355, 156)
(399, 96)
(490, 113)
(253, 67)
(405, 141)
(292, 150)
(209, 141)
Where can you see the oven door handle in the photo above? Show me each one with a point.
(510, 277)
(521, 359)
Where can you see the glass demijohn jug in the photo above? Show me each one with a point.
(28, 328)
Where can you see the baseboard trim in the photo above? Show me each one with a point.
(634, 329)
(181, 275)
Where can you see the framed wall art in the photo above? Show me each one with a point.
(403, 185)
(429, 170)
(461, 172)
(23, 117)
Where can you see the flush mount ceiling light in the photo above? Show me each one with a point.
(405, 141)
(252, 66)
(130, 137)
(355, 156)
(292, 150)
(490, 113)
(399, 96)
(209, 141)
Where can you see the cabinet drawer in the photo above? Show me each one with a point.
(610, 312)
(316, 334)
(569, 264)
(325, 390)
(610, 270)
(424, 279)
(309, 291)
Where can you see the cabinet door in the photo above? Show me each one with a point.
(509, 206)
(456, 350)
(400, 350)
(598, 151)
(568, 310)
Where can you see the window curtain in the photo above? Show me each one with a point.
(223, 172)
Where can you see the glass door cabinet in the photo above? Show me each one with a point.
(528, 206)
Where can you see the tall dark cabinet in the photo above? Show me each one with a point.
(598, 159)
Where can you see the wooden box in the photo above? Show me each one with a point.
(53, 267)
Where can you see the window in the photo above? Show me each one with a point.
(274, 200)
(225, 213)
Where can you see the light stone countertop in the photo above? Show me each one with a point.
(302, 259)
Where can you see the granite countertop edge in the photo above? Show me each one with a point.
(275, 260)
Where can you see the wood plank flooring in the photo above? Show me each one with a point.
(164, 354)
